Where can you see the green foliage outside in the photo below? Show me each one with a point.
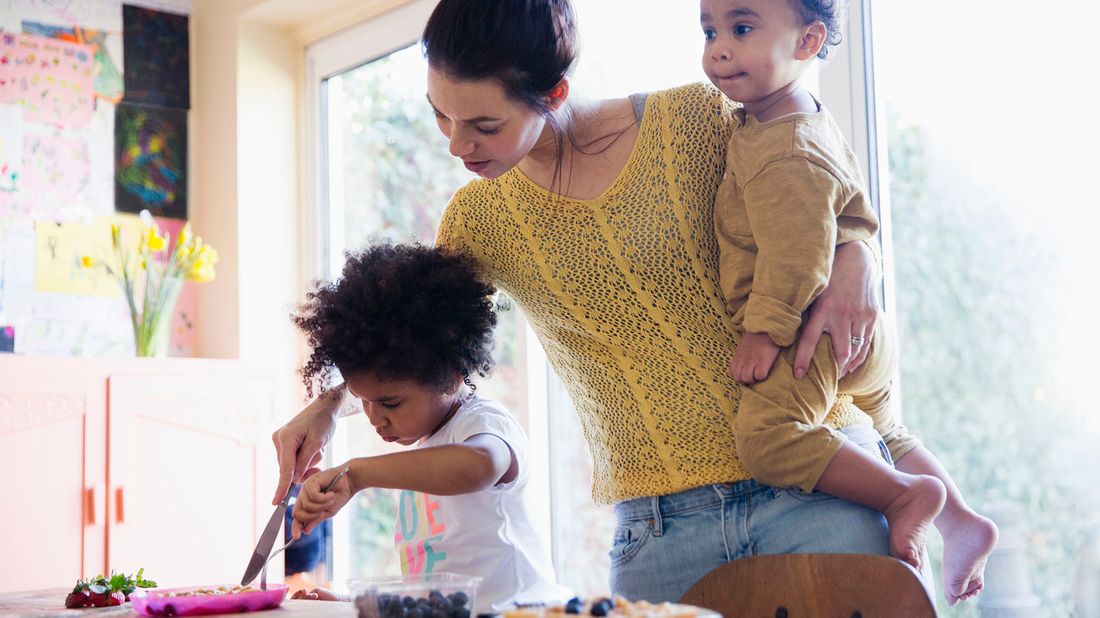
(980, 290)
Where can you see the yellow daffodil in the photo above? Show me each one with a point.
(153, 239)
(201, 271)
(152, 281)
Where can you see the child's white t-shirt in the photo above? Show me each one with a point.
(486, 533)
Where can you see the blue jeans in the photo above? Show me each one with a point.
(663, 545)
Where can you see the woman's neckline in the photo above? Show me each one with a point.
(620, 176)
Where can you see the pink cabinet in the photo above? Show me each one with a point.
(119, 464)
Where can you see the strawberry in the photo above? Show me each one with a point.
(76, 599)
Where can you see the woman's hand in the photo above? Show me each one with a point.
(847, 310)
(315, 505)
(298, 444)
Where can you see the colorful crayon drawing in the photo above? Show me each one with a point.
(11, 146)
(157, 63)
(7, 339)
(56, 176)
(53, 80)
(108, 78)
(151, 160)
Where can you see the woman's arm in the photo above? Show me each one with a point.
(298, 444)
(847, 310)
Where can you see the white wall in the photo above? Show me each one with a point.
(248, 170)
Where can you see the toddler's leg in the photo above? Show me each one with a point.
(968, 538)
(909, 502)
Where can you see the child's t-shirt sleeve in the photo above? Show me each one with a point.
(486, 419)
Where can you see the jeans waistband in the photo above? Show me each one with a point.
(704, 496)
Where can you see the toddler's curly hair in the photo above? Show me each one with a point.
(400, 312)
(826, 12)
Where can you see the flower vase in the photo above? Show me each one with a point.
(152, 329)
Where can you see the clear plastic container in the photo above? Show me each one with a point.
(434, 595)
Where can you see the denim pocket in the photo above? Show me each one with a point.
(797, 494)
(630, 537)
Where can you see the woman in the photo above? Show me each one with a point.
(596, 219)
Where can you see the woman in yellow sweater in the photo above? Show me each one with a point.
(597, 220)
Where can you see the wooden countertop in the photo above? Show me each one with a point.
(47, 603)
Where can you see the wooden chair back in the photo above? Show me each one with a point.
(813, 586)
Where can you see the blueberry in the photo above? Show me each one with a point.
(438, 613)
(408, 601)
(574, 606)
(459, 599)
(460, 612)
(602, 607)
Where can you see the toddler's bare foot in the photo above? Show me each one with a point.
(968, 539)
(910, 515)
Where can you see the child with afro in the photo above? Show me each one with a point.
(406, 327)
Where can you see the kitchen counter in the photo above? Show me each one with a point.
(51, 602)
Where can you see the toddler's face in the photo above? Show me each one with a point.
(401, 411)
(750, 45)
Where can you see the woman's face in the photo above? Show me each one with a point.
(490, 132)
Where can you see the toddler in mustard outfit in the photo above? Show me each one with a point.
(792, 192)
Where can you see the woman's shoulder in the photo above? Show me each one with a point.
(695, 94)
(695, 104)
(468, 203)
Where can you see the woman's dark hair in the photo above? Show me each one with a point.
(526, 45)
(400, 312)
(826, 12)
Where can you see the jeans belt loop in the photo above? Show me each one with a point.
(658, 525)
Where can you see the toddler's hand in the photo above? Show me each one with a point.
(314, 505)
(753, 358)
(318, 594)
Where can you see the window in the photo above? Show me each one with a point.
(993, 211)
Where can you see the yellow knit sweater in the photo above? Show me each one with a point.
(623, 293)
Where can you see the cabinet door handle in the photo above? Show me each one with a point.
(89, 505)
(119, 501)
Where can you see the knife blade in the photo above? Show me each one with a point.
(272, 530)
(267, 540)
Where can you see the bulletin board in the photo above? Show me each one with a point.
(94, 100)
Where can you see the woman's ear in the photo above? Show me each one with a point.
(812, 40)
(558, 95)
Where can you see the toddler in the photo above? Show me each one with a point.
(407, 326)
(793, 192)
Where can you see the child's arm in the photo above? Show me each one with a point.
(481, 461)
(792, 207)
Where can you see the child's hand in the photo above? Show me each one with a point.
(318, 594)
(753, 358)
(313, 505)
